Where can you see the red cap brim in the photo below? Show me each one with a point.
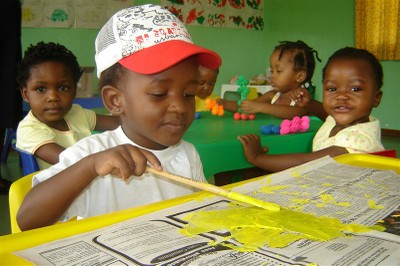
(162, 56)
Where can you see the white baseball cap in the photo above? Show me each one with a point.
(147, 39)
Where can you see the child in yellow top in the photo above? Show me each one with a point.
(207, 80)
(149, 77)
(292, 66)
(48, 76)
(352, 81)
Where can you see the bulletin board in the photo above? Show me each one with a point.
(86, 14)
(240, 14)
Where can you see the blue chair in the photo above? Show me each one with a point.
(90, 103)
(28, 161)
(9, 138)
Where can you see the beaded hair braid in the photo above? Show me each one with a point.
(44, 52)
(303, 59)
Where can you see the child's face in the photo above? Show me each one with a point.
(283, 76)
(207, 80)
(49, 91)
(349, 91)
(158, 109)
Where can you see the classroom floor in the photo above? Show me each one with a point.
(11, 171)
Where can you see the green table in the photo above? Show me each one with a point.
(215, 138)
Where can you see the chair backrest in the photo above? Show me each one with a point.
(28, 161)
(18, 190)
(9, 138)
(90, 103)
(387, 153)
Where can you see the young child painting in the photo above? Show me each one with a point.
(148, 77)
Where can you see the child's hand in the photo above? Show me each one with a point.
(252, 147)
(251, 107)
(124, 161)
(301, 96)
(220, 101)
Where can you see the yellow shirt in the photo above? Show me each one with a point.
(201, 103)
(32, 134)
(359, 138)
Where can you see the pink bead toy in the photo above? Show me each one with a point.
(297, 124)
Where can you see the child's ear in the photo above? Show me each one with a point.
(112, 99)
(301, 76)
(378, 97)
(24, 94)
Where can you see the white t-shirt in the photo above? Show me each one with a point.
(109, 193)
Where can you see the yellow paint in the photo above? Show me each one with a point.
(292, 193)
(253, 201)
(271, 189)
(301, 201)
(296, 174)
(254, 227)
(328, 198)
(372, 205)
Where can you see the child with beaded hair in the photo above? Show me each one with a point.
(352, 81)
(292, 66)
(48, 76)
(148, 70)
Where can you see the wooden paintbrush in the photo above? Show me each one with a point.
(216, 190)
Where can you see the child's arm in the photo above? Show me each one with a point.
(228, 105)
(281, 111)
(256, 155)
(48, 201)
(303, 99)
(316, 109)
(263, 105)
(232, 106)
(49, 152)
(107, 122)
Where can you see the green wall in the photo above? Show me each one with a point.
(324, 25)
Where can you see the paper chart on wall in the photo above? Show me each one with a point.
(238, 14)
(89, 14)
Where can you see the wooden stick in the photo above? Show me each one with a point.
(217, 190)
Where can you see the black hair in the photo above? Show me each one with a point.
(355, 53)
(112, 75)
(44, 52)
(303, 59)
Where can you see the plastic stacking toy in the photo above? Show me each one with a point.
(297, 124)
(270, 130)
(215, 108)
(243, 90)
(287, 126)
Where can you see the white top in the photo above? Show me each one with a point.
(276, 97)
(359, 138)
(110, 193)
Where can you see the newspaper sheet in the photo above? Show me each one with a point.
(153, 239)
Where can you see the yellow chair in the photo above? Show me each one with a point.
(17, 193)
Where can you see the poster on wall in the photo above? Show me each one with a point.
(239, 14)
(88, 14)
